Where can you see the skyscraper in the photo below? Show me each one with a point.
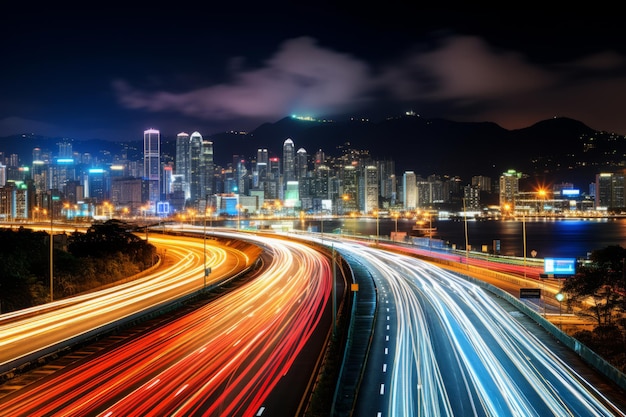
(206, 170)
(369, 189)
(183, 164)
(409, 188)
(195, 171)
(302, 164)
(289, 164)
(509, 188)
(152, 164)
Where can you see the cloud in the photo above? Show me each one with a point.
(465, 68)
(301, 77)
(480, 83)
(462, 78)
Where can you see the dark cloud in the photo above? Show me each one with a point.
(235, 71)
(477, 81)
(301, 77)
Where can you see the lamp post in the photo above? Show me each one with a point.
(395, 217)
(559, 297)
(51, 247)
(466, 239)
(204, 241)
(238, 216)
(524, 237)
(377, 226)
(334, 291)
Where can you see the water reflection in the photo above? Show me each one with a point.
(548, 238)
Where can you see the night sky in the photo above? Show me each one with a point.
(110, 72)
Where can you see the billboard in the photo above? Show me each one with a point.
(559, 266)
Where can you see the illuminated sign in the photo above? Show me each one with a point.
(570, 193)
(559, 266)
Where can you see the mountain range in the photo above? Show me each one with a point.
(553, 150)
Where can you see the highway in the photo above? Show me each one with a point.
(29, 334)
(224, 358)
(442, 346)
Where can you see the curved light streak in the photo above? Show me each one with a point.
(29, 331)
(222, 359)
(457, 352)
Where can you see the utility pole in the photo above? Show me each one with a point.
(51, 247)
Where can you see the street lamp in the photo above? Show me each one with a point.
(466, 239)
(238, 216)
(395, 217)
(559, 297)
(524, 237)
(377, 227)
(204, 241)
(51, 247)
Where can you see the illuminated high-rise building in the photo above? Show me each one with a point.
(289, 163)
(301, 164)
(206, 170)
(200, 172)
(509, 188)
(368, 189)
(152, 163)
(195, 151)
(183, 163)
(319, 160)
(350, 189)
(409, 187)
(610, 190)
(261, 169)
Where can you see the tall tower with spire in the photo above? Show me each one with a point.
(152, 164)
(289, 161)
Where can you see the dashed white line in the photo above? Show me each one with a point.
(382, 389)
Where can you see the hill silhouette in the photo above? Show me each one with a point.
(558, 149)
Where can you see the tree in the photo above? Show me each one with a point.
(598, 286)
(109, 238)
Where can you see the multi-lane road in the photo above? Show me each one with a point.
(27, 335)
(442, 346)
(224, 358)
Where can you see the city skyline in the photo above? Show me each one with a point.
(83, 75)
(354, 181)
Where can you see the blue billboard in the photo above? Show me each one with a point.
(559, 266)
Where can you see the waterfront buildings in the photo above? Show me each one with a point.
(74, 185)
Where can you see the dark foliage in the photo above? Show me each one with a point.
(24, 258)
(105, 253)
(111, 237)
(602, 281)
